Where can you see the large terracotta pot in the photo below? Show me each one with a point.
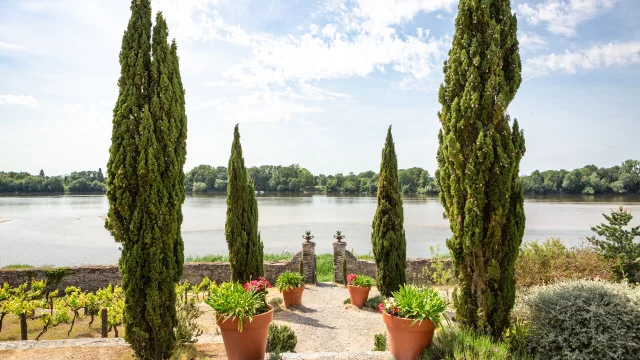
(358, 295)
(251, 343)
(293, 296)
(406, 342)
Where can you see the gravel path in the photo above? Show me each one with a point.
(324, 324)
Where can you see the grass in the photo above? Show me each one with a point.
(324, 267)
(17, 266)
(368, 256)
(284, 255)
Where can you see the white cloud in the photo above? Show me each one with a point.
(563, 16)
(29, 100)
(531, 41)
(8, 46)
(597, 56)
(71, 108)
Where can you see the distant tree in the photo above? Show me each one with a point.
(388, 237)
(241, 227)
(619, 243)
(100, 175)
(41, 173)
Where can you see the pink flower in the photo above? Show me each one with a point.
(381, 307)
(259, 285)
(350, 278)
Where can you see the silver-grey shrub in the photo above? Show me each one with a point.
(583, 319)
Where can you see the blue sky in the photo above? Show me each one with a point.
(315, 82)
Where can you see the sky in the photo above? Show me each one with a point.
(315, 82)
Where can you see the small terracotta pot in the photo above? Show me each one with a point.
(358, 295)
(293, 296)
(406, 342)
(251, 343)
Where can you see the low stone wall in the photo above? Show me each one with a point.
(415, 270)
(92, 278)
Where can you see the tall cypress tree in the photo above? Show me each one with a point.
(241, 227)
(479, 157)
(145, 183)
(388, 238)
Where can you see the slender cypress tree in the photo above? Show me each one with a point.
(388, 238)
(479, 157)
(145, 182)
(241, 227)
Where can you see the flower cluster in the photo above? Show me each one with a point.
(388, 306)
(350, 278)
(259, 285)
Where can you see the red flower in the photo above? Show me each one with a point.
(259, 285)
(350, 278)
(381, 307)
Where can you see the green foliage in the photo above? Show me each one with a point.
(18, 266)
(241, 227)
(380, 342)
(388, 237)
(231, 301)
(516, 337)
(587, 180)
(417, 303)
(363, 281)
(145, 182)
(187, 329)
(453, 343)
(324, 267)
(281, 339)
(276, 302)
(344, 271)
(289, 280)
(479, 157)
(583, 319)
(551, 261)
(618, 244)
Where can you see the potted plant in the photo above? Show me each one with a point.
(338, 236)
(291, 285)
(307, 236)
(359, 286)
(243, 316)
(411, 317)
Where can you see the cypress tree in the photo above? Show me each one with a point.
(479, 157)
(241, 227)
(145, 182)
(388, 238)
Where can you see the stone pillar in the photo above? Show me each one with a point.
(338, 256)
(309, 262)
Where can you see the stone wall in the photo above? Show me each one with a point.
(415, 267)
(92, 278)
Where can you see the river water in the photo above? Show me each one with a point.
(69, 230)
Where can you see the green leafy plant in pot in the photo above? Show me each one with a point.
(359, 287)
(291, 285)
(243, 316)
(411, 317)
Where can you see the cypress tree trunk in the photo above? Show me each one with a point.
(241, 227)
(146, 182)
(388, 238)
(479, 158)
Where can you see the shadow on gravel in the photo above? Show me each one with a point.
(326, 285)
(294, 317)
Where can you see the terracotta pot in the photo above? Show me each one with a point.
(251, 343)
(406, 342)
(358, 295)
(293, 296)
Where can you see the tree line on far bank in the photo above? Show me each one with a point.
(589, 180)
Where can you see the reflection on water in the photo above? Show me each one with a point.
(69, 230)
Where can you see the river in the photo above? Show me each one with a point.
(69, 230)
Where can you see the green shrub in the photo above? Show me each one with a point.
(582, 319)
(380, 342)
(374, 302)
(412, 302)
(551, 261)
(281, 339)
(289, 280)
(276, 302)
(187, 329)
(453, 343)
